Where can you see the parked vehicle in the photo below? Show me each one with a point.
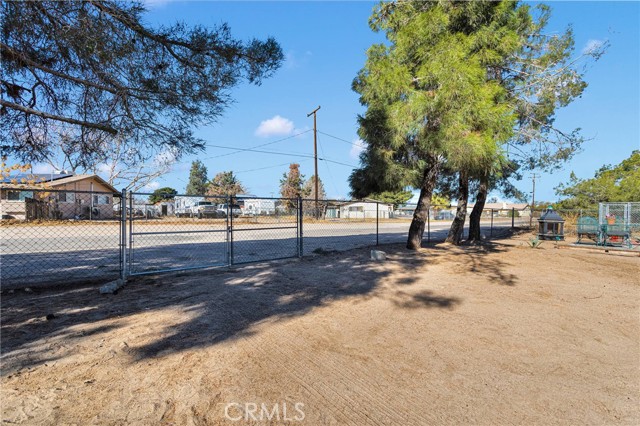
(235, 209)
(196, 207)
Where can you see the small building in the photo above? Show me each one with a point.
(366, 209)
(56, 196)
(258, 206)
(503, 209)
(165, 208)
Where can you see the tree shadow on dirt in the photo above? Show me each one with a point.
(209, 307)
(481, 259)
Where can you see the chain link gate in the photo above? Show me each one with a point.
(186, 232)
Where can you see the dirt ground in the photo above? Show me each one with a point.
(497, 334)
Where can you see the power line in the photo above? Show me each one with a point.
(268, 167)
(335, 187)
(239, 150)
(290, 154)
(340, 139)
(260, 151)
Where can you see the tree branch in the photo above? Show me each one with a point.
(43, 114)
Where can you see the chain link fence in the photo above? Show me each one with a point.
(53, 236)
(59, 236)
(623, 217)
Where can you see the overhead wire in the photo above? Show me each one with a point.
(239, 150)
(333, 183)
(268, 167)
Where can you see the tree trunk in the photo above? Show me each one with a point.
(457, 226)
(476, 213)
(416, 230)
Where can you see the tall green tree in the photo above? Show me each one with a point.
(197, 179)
(225, 184)
(429, 103)
(291, 185)
(93, 72)
(462, 87)
(620, 183)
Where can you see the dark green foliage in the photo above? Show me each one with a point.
(463, 86)
(197, 179)
(94, 71)
(162, 194)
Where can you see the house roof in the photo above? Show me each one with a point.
(35, 177)
(57, 181)
(77, 178)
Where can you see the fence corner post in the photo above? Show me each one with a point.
(123, 235)
(377, 223)
(300, 233)
(513, 217)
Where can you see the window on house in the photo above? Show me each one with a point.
(100, 199)
(19, 195)
(66, 197)
(356, 209)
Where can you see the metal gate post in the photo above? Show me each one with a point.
(227, 235)
(491, 231)
(300, 222)
(131, 215)
(513, 217)
(123, 235)
(230, 216)
(428, 224)
(377, 224)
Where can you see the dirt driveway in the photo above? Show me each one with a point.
(492, 335)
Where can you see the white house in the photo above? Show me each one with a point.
(366, 209)
(503, 209)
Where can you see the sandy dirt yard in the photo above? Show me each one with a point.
(493, 335)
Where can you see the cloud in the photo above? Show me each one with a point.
(276, 126)
(592, 46)
(294, 60)
(152, 186)
(358, 146)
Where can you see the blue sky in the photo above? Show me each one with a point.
(325, 45)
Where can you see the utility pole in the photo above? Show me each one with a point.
(533, 197)
(315, 154)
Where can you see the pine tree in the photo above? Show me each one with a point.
(457, 83)
(197, 179)
(96, 72)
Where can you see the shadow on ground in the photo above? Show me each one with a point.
(221, 305)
